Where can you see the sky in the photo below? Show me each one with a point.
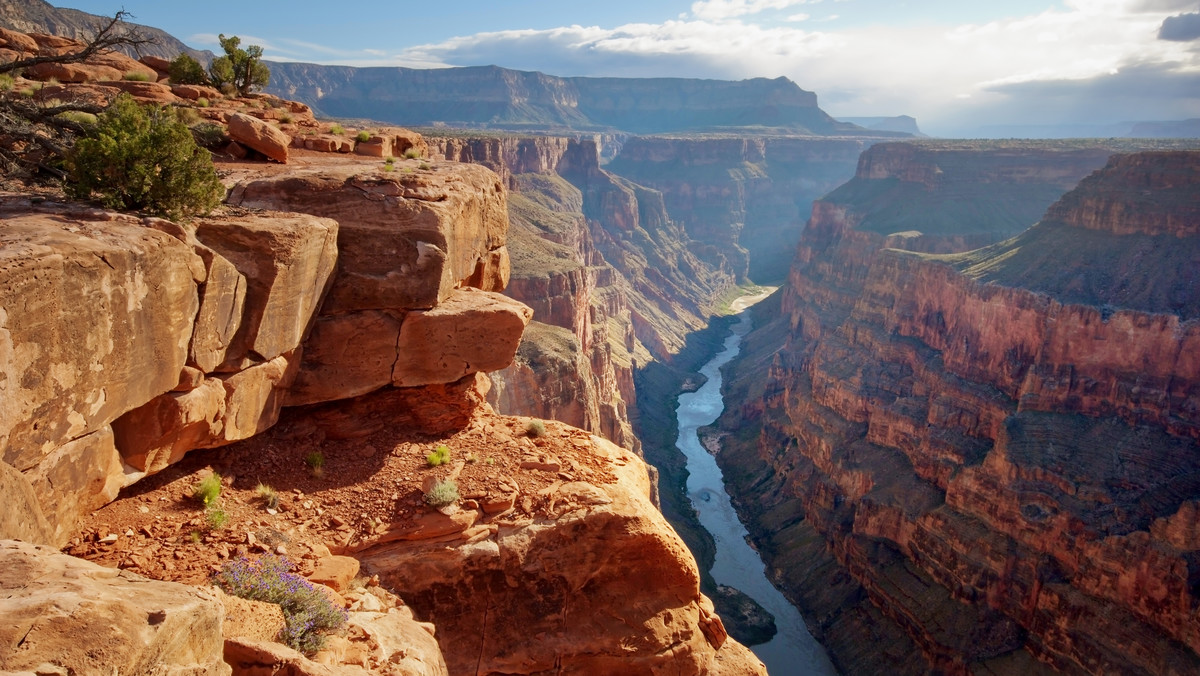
(955, 65)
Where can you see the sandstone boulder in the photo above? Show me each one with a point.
(77, 479)
(74, 73)
(222, 305)
(397, 641)
(287, 261)
(17, 42)
(221, 410)
(195, 92)
(154, 92)
(22, 517)
(254, 620)
(469, 332)
(259, 135)
(86, 619)
(405, 241)
(335, 572)
(346, 356)
(95, 320)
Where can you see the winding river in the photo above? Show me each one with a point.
(793, 651)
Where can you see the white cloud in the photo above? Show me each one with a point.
(717, 10)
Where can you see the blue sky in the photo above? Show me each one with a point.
(953, 64)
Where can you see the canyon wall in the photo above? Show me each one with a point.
(613, 281)
(740, 199)
(984, 462)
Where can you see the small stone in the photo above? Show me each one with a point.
(109, 539)
(281, 550)
(143, 509)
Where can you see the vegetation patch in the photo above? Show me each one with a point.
(439, 456)
(308, 614)
(442, 494)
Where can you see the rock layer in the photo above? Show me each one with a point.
(988, 473)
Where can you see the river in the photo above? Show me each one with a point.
(793, 651)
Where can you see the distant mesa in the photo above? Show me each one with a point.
(906, 124)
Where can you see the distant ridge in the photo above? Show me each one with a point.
(495, 97)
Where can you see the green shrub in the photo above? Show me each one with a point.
(137, 76)
(286, 117)
(443, 493)
(412, 154)
(316, 463)
(389, 160)
(269, 496)
(440, 456)
(7, 83)
(78, 117)
(186, 70)
(337, 130)
(143, 158)
(202, 102)
(187, 115)
(208, 489)
(426, 166)
(535, 428)
(363, 136)
(209, 134)
(216, 517)
(308, 614)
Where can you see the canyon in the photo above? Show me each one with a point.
(962, 444)
(980, 460)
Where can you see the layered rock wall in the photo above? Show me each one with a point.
(1002, 470)
(128, 342)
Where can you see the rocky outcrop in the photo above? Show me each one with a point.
(127, 342)
(66, 615)
(989, 453)
(526, 595)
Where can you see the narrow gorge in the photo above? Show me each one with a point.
(983, 462)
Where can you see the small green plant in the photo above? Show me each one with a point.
(186, 70)
(389, 160)
(78, 117)
(217, 517)
(137, 76)
(363, 136)
(208, 489)
(389, 167)
(426, 166)
(286, 117)
(6, 83)
(194, 536)
(490, 461)
(316, 463)
(187, 115)
(412, 154)
(268, 495)
(28, 92)
(472, 459)
(203, 102)
(443, 493)
(337, 130)
(209, 134)
(143, 158)
(439, 456)
(535, 429)
(308, 614)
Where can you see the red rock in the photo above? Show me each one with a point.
(335, 572)
(259, 135)
(18, 42)
(23, 518)
(468, 332)
(155, 92)
(74, 72)
(195, 92)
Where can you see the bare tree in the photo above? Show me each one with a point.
(34, 134)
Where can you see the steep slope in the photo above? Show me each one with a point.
(740, 198)
(985, 461)
(39, 16)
